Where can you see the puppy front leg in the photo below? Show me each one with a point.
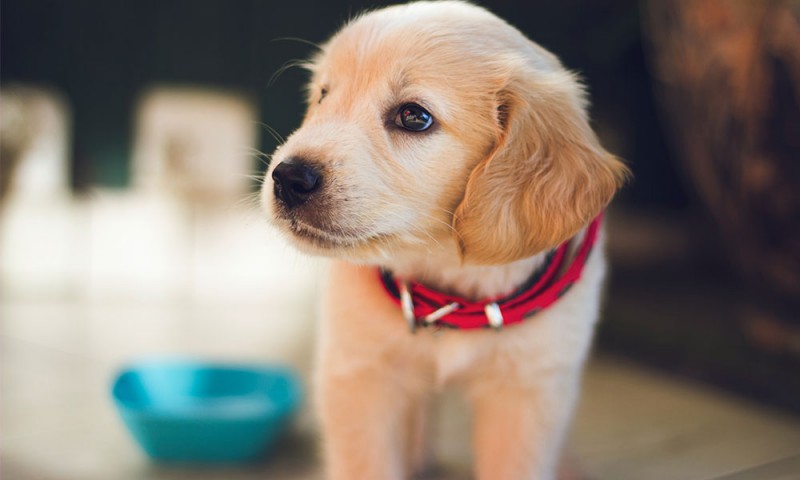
(418, 450)
(363, 426)
(518, 432)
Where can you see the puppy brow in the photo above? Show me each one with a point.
(403, 91)
(398, 85)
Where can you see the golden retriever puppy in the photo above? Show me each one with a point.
(447, 164)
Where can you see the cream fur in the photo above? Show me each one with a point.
(509, 170)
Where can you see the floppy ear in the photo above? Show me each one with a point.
(545, 179)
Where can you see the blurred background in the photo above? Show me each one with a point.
(132, 135)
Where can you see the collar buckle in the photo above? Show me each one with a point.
(439, 313)
(407, 305)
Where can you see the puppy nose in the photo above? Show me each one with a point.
(295, 181)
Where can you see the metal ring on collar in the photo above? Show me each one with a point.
(494, 315)
(407, 305)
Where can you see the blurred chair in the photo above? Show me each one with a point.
(195, 144)
(186, 233)
(193, 153)
(33, 143)
(42, 242)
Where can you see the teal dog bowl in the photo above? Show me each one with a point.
(184, 411)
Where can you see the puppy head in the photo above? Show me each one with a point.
(437, 125)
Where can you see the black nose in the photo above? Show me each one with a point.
(295, 181)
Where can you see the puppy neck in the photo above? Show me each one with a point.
(442, 270)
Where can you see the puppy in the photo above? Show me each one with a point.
(447, 165)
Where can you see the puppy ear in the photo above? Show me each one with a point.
(546, 177)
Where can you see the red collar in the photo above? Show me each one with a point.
(423, 306)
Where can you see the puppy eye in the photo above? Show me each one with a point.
(414, 118)
(322, 94)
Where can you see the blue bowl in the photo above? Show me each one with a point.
(184, 411)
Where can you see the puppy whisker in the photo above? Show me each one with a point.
(286, 66)
(299, 40)
(274, 133)
(249, 200)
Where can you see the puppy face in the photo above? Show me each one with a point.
(437, 124)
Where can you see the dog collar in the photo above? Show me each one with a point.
(423, 306)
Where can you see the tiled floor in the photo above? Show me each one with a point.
(637, 424)
(58, 423)
(248, 297)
